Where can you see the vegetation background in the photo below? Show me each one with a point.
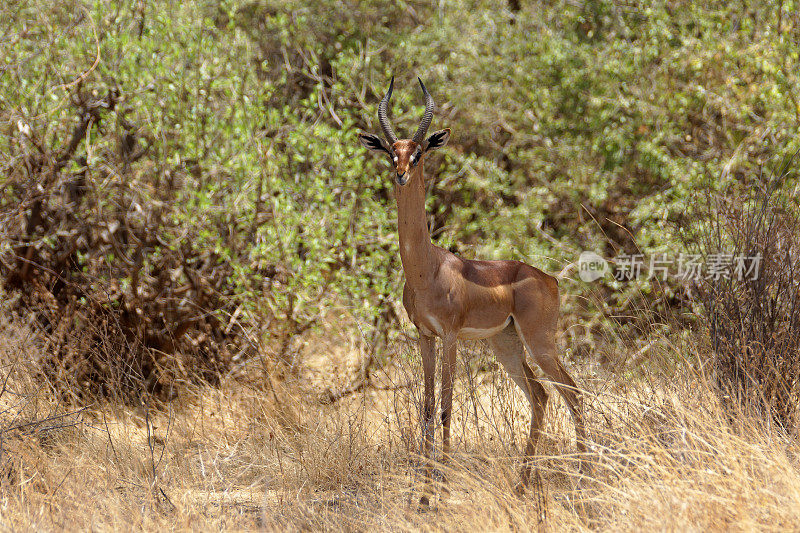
(201, 280)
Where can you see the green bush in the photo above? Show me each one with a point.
(576, 127)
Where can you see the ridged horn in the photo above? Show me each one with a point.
(383, 119)
(427, 118)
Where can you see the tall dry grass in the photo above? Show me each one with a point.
(252, 453)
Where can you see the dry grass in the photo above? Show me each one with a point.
(245, 456)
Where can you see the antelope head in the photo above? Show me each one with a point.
(406, 154)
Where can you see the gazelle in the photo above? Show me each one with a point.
(510, 304)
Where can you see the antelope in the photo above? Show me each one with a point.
(510, 305)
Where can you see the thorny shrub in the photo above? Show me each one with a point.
(127, 302)
(753, 318)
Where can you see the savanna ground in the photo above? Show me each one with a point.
(254, 453)
(200, 324)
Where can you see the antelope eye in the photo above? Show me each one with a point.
(415, 157)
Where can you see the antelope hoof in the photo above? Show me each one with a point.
(424, 504)
(585, 468)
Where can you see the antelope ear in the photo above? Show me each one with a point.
(374, 143)
(437, 140)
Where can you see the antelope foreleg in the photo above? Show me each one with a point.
(428, 351)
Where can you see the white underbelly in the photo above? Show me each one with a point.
(473, 334)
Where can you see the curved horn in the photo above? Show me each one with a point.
(427, 118)
(383, 119)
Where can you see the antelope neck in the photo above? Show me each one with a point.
(416, 249)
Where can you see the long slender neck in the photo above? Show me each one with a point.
(416, 250)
